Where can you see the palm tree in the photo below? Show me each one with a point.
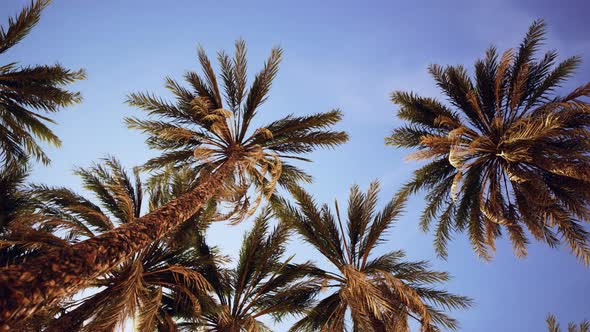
(22, 236)
(381, 292)
(120, 197)
(506, 155)
(261, 284)
(13, 197)
(196, 130)
(24, 91)
(145, 285)
(553, 325)
(150, 286)
(199, 132)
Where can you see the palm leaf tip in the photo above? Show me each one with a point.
(21, 25)
(554, 326)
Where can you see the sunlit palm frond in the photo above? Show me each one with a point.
(378, 292)
(197, 131)
(262, 284)
(503, 148)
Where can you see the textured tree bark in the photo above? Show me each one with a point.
(43, 281)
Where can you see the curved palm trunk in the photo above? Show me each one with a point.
(26, 288)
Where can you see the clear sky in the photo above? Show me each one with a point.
(338, 54)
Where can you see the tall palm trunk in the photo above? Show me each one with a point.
(26, 288)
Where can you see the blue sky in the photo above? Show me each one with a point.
(338, 54)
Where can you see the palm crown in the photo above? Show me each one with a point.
(510, 156)
(262, 283)
(199, 130)
(381, 292)
(151, 283)
(23, 90)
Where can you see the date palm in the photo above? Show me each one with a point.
(23, 234)
(146, 287)
(13, 195)
(506, 155)
(28, 92)
(199, 132)
(262, 283)
(163, 274)
(119, 195)
(381, 292)
(553, 325)
(195, 130)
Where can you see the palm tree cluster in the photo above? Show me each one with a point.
(134, 246)
(182, 283)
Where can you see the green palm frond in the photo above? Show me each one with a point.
(111, 184)
(328, 315)
(13, 199)
(119, 198)
(504, 147)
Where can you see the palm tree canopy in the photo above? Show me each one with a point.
(262, 283)
(24, 233)
(199, 130)
(13, 200)
(24, 91)
(151, 283)
(118, 194)
(506, 154)
(379, 290)
(553, 325)
(195, 131)
(152, 286)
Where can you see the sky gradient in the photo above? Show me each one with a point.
(338, 54)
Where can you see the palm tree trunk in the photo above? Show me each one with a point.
(45, 280)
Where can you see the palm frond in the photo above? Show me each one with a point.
(378, 292)
(26, 89)
(496, 155)
(20, 26)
